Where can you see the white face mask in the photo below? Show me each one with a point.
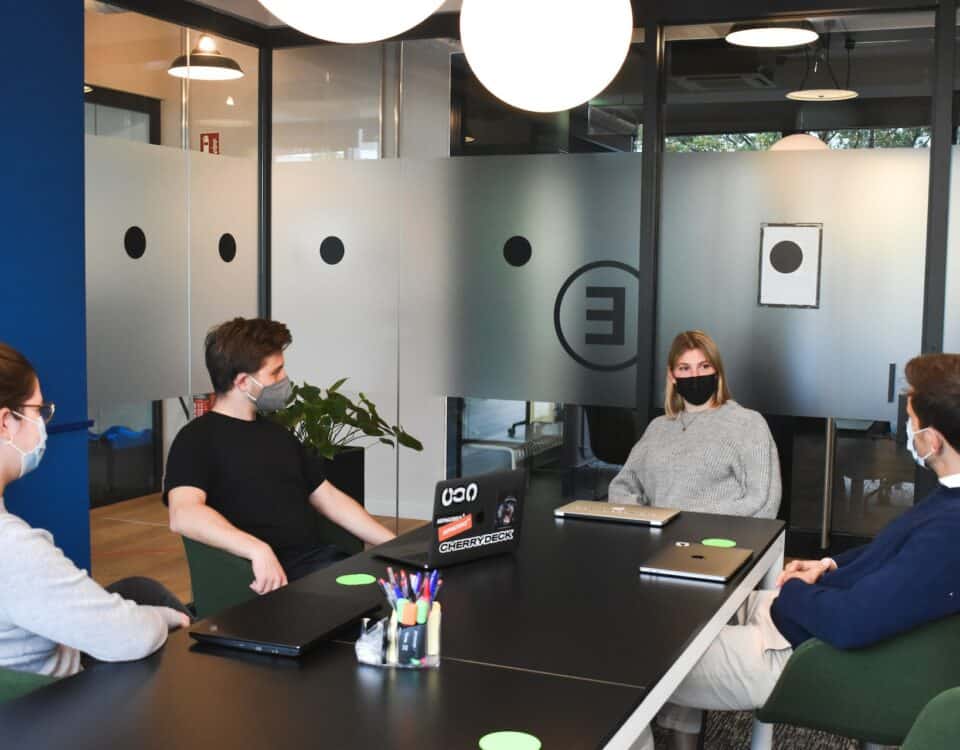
(921, 460)
(30, 460)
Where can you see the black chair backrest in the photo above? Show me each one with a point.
(613, 432)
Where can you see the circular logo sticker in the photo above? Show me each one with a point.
(595, 315)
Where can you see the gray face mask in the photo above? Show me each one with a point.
(272, 397)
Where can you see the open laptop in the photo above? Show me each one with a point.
(697, 561)
(645, 515)
(473, 517)
(287, 622)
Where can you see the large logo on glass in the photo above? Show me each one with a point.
(595, 315)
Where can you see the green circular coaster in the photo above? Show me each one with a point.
(509, 741)
(718, 543)
(356, 579)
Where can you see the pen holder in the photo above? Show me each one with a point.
(390, 643)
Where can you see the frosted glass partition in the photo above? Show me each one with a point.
(828, 361)
(951, 329)
(136, 271)
(519, 278)
(223, 249)
(326, 102)
(336, 247)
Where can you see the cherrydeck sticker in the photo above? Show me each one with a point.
(454, 528)
(483, 540)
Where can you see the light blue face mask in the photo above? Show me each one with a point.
(921, 460)
(30, 460)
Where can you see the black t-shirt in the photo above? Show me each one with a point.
(256, 474)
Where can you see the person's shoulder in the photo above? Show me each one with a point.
(17, 536)
(658, 425)
(198, 428)
(743, 416)
(664, 421)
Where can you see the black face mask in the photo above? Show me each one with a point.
(697, 390)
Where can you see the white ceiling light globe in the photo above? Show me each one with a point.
(546, 55)
(799, 142)
(352, 21)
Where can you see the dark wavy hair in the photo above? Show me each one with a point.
(241, 345)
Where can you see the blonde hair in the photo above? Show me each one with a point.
(683, 343)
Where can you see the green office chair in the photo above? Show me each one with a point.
(13, 684)
(871, 694)
(938, 725)
(220, 580)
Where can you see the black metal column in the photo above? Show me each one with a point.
(264, 177)
(653, 137)
(938, 205)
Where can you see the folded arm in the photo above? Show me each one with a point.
(193, 518)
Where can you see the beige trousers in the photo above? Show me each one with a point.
(736, 673)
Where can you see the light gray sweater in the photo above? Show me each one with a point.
(721, 460)
(50, 610)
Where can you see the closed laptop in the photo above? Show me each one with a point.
(644, 515)
(697, 561)
(287, 621)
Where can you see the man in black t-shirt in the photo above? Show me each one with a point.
(245, 484)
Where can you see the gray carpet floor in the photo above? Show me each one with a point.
(730, 730)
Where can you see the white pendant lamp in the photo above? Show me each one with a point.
(546, 55)
(205, 64)
(772, 34)
(819, 82)
(352, 21)
(799, 142)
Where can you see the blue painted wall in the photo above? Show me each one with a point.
(41, 249)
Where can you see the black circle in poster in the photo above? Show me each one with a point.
(227, 248)
(331, 250)
(517, 251)
(135, 242)
(786, 256)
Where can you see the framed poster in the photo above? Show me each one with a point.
(790, 265)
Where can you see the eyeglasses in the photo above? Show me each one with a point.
(46, 410)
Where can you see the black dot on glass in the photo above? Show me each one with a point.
(786, 256)
(135, 242)
(331, 250)
(517, 251)
(227, 247)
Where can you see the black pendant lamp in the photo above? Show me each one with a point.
(205, 63)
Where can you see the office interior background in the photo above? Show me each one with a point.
(504, 284)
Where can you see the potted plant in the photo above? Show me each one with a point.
(333, 426)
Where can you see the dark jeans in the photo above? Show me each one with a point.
(142, 591)
(310, 562)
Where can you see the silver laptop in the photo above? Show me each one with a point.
(697, 561)
(645, 515)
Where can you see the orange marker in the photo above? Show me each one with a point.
(409, 614)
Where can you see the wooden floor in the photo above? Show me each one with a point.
(133, 538)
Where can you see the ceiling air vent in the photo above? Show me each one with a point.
(714, 65)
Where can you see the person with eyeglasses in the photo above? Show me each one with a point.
(53, 617)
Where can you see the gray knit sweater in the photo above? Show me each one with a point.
(50, 610)
(721, 460)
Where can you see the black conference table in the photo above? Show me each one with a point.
(564, 640)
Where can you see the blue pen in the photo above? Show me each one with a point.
(416, 585)
(433, 583)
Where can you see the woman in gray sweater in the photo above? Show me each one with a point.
(50, 611)
(707, 453)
